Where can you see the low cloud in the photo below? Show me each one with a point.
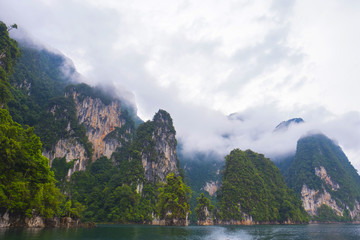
(254, 129)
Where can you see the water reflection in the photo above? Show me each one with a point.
(138, 232)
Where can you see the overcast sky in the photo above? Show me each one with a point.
(203, 60)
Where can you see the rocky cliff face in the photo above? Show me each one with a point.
(161, 158)
(99, 120)
(211, 187)
(325, 179)
(70, 149)
(313, 199)
(103, 129)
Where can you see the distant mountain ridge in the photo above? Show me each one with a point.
(286, 124)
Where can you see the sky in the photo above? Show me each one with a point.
(265, 60)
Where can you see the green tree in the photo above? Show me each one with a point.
(9, 52)
(173, 199)
(26, 181)
(253, 185)
(203, 208)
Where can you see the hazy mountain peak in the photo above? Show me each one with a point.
(283, 126)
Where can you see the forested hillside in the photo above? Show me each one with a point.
(27, 185)
(325, 179)
(254, 190)
(114, 173)
(203, 174)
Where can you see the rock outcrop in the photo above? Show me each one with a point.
(11, 220)
(313, 199)
(247, 220)
(211, 187)
(103, 129)
(160, 159)
(99, 120)
(70, 149)
(322, 174)
(208, 219)
(170, 221)
(325, 180)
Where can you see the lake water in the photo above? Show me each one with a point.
(137, 232)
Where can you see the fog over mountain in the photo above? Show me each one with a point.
(266, 61)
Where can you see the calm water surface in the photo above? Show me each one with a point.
(137, 232)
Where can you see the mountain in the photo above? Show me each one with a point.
(202, 171)
(253, 191)
(203, 174)
(157, 143)
(283, 126)
(323, 177)
(73, 120)
(108, 164)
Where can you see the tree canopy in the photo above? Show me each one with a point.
(173, 199)
(26, 181)
(253, 185)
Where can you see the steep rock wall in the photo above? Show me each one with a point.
(70, 149)
(322, 174)
(313, 199)
(163, 159)
(211, 187)
(99, 120)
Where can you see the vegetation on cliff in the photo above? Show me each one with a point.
(200, 170)
(27, 184)
(173, 200)
(204, 208)
(342, 181)
(109, 196)
(117, 190)
(253, 186)
(9, 52)
(38, 86)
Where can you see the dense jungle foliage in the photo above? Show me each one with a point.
(204, 208)
(173, 199)
(253, 185)
(199, 169)
(317, 151)
(26, 183)
(9, 52)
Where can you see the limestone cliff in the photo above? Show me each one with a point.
(158, 147)
(313, 199)
(211, 187)
(70, 149)
(325, 180)
(92, 127)
(99, 120)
